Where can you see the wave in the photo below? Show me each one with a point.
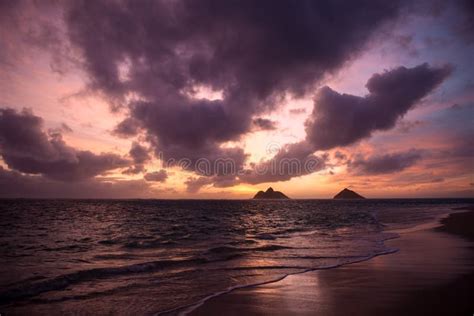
(115, 256)
(265, 237)
(205, 233)
(91, 295)
(231, 249)
(63, 281)
(144, 244)
(72, 248)
(27, 289)
(187, 309)
(109, 242)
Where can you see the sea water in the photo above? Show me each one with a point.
(159, 256)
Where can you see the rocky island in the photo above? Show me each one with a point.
(347, 194)
(270, 194)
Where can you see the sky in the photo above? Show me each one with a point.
(221, 99)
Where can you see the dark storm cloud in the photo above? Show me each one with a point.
(188, 129)
(194, 184)
(14, 184)
(252, 52)
(157, 176)
(25, 147)
(139, 153)
(260, 46)
(207, 161)
(342, 119)
(127, 128)
(382, 164)
(264, 124)
(135, 169)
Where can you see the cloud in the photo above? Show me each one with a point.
(139, 153)
(194, 184)
(140, 156)
(62, 129)
(259, 53)
(127, 128)
(250, 53)
(135, 169)
(407, 126)
(383, 164)
(340, 156)
(342, 119)
(13, 184)
(264, 124)
(297, 111)
(189, 129)
(25, 147)
(292, 160)
(157, 176)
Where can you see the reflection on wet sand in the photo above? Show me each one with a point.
(381, 285)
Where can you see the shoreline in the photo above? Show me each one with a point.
(190, 308)
(377, 281)
(421, 271)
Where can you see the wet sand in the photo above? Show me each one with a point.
(431, 274)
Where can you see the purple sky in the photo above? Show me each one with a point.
(219, 99)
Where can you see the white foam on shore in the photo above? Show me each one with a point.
(436, 222)
(187, 309)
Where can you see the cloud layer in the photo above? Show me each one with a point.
(25, 147)
(383, 164)
(156, 176)
(13, 184)
(193, 80)
(160, 52)
(342, 119)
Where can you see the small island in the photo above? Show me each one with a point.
(347, 194)
(270, 194)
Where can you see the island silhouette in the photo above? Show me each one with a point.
(347, 194)
(270, 194)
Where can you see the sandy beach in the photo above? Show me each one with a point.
(431, 274)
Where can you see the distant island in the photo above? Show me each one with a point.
(270, 194)
(347, 194)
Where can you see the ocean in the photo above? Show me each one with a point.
(168, 256)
